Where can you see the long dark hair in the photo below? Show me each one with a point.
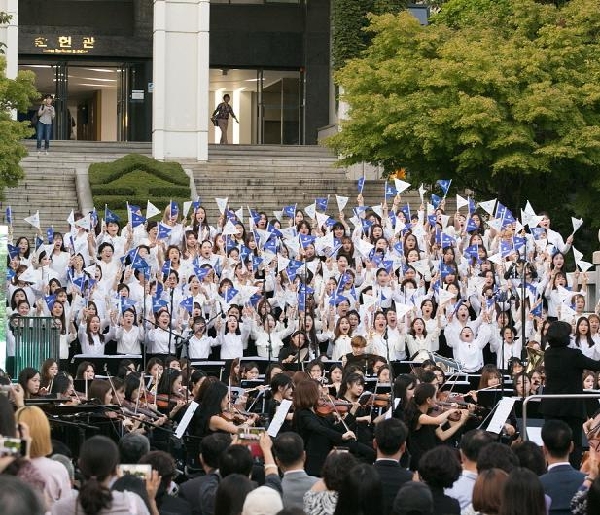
(360, 492)
(523, 493)
(231, 494)
(423, 391)
(211, 406)
(98, 459)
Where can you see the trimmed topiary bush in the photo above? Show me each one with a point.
(136, 179)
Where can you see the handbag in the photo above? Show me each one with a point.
(214, 121)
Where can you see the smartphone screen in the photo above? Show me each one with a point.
(144, 472)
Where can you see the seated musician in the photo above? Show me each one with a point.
(296, 351)
(358, 355)
(29, 379)
(170, 398)
(215, 414)
(358, 418)
(282, 388)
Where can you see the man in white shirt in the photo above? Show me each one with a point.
(470, 445)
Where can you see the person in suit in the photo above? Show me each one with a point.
(564, 366)
(194, 490)
(290, 456)
(470, 445)
(562, 480)
(390, 445)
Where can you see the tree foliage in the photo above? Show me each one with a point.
(503, 98)
(17, 94)
(349, 21)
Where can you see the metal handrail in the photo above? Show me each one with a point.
(552, 396)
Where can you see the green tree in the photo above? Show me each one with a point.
(17, 94)
(503, 99)
(349, 21)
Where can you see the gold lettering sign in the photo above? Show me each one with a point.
(65, 44)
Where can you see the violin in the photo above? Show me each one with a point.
(326, 407)
(379, 400)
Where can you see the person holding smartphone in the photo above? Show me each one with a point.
(46, 115)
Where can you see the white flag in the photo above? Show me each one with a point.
(311, 210)
(341, 202)
(461, 202)
(71, 218)
(222, 204)
(401, 186)
(282, 262)
(322, 219)
(577, 223)
(422, 191)
(186, 208)
(84, 222)
(152, 210)
(29, 275)
(445, 296)
(34, 220)
(488, 206)
(229, 229)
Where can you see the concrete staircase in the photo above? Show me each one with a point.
(265, 177)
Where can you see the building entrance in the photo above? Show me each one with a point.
(96, 101)
(268, 103)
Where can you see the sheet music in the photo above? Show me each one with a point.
(279, 418)
(502, 412)
(186, 419)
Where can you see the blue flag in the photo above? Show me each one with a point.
(271, 245)
(158, 303)
(471, 225)
(445, 185)
(306, 240)
(321, 203)
(166, 268)
(13, 251)
(137, 220)
(50, 235)
(360, 184)
(50, 300)
(110, 217)
(187, 304)
(436, 200)
(126, 303)
(201, 272)
(229, 294)
(290, 211)
(390, 191)
(9, 218)
(164, 231)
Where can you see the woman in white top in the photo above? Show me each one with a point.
(418, 338)
(128, 334)
(266, 333)
(233, 337)
(91, 339)
(161, 339)
(342, 337)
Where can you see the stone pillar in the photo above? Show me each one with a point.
(181, 81)
(9, 34)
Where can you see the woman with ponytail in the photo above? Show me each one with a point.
(98, 460)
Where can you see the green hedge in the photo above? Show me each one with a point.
(137, 179)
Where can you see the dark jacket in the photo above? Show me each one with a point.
(561, 483)
(564, 367)
(393, 476)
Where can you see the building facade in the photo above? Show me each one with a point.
(123, 69)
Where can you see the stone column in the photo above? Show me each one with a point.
(181, 81)
(9, 34)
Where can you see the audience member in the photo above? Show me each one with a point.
(390, 444)
(471, 444)
(290, 456)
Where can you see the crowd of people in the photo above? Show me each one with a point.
(325, 304)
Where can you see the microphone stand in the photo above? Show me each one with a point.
(171, 315)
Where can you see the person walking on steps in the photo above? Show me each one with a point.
(221, 115)
(44, 126)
